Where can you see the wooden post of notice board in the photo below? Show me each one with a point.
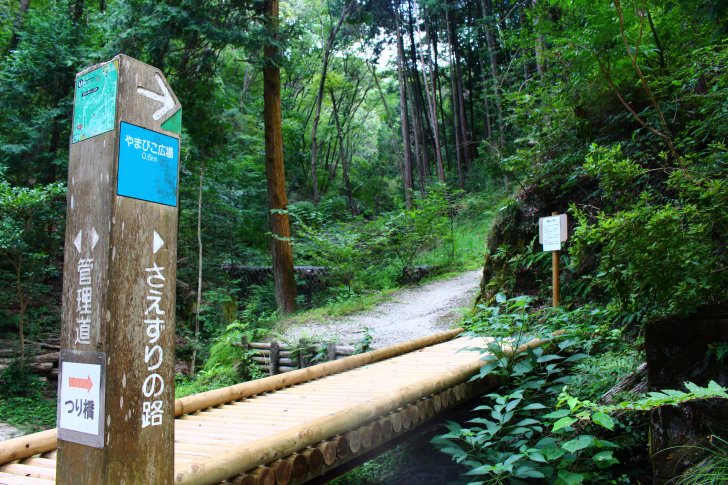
(555, 272)
(552, 231)
(555, 277)
(116, 382)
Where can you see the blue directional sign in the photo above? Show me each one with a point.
(148, 165)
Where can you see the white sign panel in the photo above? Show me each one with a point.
(551, 227)
(81, 398)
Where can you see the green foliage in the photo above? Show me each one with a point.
(336, 248)
(24, 403)
(714, 469)
(611, 169)
(363, 255)
(593, 377)
(719, 350)
(30, 236)
(228, 363)
(647, 189)
(404, 235)
(630, 241)
(513, 440)
(341, 306)
(533, 428)
(515, 320)
(371, 472)
(260, 311)
(35, 93)
(585, 410)
(573, 143)
(311, 349)
(30, 413)
(364, 345)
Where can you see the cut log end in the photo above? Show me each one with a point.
(281, 471)
(329, 449)
(314, 459)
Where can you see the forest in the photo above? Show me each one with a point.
(420, 138)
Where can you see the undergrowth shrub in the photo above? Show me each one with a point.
(228, 363)
(370, 254)
(26, 402)
(713, 469)
(519, 436)
(656, 259)
(535, 427)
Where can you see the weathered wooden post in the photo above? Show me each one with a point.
(116, 383)
(275, 354)
(552, 231)
(331, 351)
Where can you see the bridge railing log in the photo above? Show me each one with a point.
(27, 446)
(240, 459)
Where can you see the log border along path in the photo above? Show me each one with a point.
(293, 427)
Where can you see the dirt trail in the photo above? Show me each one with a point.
(411, 313)
(7, 431)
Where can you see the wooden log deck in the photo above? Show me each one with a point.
(294, 427)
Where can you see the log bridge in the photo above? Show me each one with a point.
(303, 425)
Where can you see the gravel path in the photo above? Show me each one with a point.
(7, 431)
(411, 313)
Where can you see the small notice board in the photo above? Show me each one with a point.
(552, 231)
(81, 397)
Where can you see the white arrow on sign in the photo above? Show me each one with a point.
(165, 98)
(94, 239)
(77, 241)
(157, 243)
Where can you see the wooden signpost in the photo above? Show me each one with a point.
(552, 231)
(116, 383)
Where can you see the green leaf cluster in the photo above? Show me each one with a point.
(533, 427)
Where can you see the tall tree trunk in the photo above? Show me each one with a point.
(432, 110)
(470, 127)
(407, 168)
(343, 154)
(459, 97)
(396, 147)
(77, 10)
(199, 269)
(487, 130)
(417, 128)
(327, 164)
(487, 6)
(19, 19)
(319, 98)
(455, 105)
(437, 85)
(22, 307)
(539, 45)
(658, 44)
(416, 107)
(283, 275)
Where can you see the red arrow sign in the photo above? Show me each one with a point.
(81, 383)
